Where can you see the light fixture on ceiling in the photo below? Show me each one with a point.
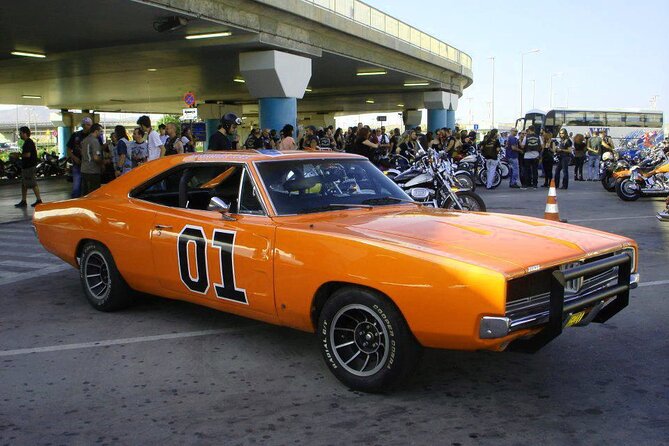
(208, 35)
(31, 96)
(239, 80)
(308, 90)
(27, 54)
(400, 105)
(370, 101)
(416, 84)
(170, 24)
(152, 69)
(371, 73)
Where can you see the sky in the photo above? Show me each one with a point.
(612, 54)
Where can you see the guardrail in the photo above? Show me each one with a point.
(373, 18)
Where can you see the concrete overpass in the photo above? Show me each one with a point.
(313, 58)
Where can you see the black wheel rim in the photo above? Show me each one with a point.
(96, 270)
(359, 340)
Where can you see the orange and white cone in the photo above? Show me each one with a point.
(551, 212)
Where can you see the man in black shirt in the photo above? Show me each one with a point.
(28, 163)
(220, 140)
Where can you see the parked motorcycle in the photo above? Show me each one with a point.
(649, 178)
(431, 180)
(12, 167)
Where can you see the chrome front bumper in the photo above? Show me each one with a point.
(603, 300)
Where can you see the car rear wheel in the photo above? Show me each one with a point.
(365, 341)
(103, 285)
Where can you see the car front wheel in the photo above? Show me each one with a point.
(365, 341)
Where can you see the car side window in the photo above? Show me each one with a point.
(249, 202)
(193, 186)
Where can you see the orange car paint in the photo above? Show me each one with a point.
(443, 269)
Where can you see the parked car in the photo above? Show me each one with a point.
(325, 243)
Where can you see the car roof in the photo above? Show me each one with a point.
(262, 155)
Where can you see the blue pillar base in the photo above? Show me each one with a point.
(211, 127)
(277, 112)
(450, 119)
(64, 134)
(436, 119)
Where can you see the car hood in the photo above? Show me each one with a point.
(510, 244)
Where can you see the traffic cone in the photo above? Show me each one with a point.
(551, 212)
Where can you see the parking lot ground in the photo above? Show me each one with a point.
(167, 372)
(52, 189)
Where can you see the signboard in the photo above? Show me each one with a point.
(189, 114)
(381, 118)
(476, 127)
(199, 130)
(189, 99)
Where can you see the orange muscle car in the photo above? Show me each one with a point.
(324, 242)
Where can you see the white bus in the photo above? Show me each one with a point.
(641, 128)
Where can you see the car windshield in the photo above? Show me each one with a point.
(314, 185)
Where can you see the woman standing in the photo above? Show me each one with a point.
(363, 146)
(287, 141)
(547, 158)
(121, 154)
(579, 156)
(339, 139)
(564, 152)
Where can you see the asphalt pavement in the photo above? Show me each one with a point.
(166, 372)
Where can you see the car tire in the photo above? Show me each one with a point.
(104, 287)
(365, 340)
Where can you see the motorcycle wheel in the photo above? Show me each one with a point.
(483, 178)
(504, 169)
(465, 181)
(471, 201)
(627, 190)
(609, 183)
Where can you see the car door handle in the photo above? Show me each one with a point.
(161, 227)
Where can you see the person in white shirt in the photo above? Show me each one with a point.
(163, 133)
(155, 145)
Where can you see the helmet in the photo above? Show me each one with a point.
(228, 119)
(607, 156)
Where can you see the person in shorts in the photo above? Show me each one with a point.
(28, 164)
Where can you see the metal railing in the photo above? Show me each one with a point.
(373, 18)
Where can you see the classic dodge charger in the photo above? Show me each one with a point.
(325, 243)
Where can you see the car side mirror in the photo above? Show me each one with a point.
(220, 206)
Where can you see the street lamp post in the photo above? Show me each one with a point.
(552, 76)
(492, 117)
(522, 72)
(534, 84)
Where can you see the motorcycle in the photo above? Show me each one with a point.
(431, 181)
(649, 178)
(12, 167)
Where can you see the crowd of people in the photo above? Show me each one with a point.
(96, 160)
(528, 152)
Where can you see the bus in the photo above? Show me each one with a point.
(639, 128)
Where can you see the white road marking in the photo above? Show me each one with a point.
(20, 245)
(613, 218)
(108, 342)
(22, 264)
(655, 283)
(34, 274)
(27, 231)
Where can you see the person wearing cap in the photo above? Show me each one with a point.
(74, 153)
(220, 140)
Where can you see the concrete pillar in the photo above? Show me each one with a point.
(277, 112)
(412, 118)
(277, 80)
(64, 133)
(441, 107)
(64, 121)
(450, 119)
